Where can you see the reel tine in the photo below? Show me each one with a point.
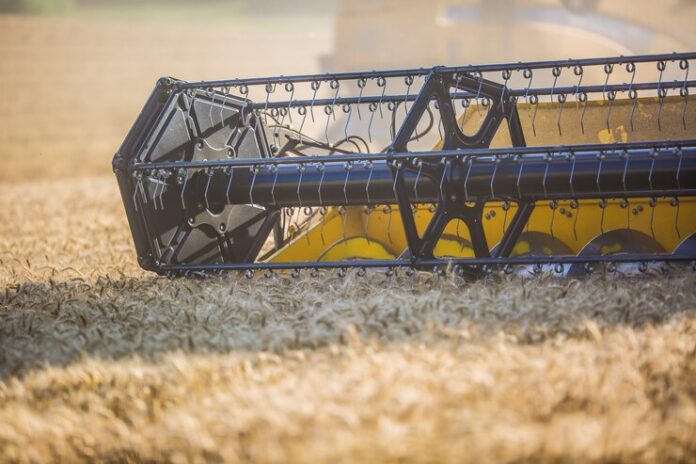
(322, 209)
(254, 170)
(408, 80)
(347, 109)
(684, 93)
(417, 162)
(274, 169)
(348, 166)
(579, 71)
(608, 70)
(556, 73)
(602, 202)
(583, 99)
(300, 170)
(465, 104)
(534, 100)
(684, 90)
(209, 175)
(373, 108)
(625, 201)
(506, 208)
(361, 85)
(552, 203)
(458, 79)
(335, 85)
(283, 112)
(269, 88)
(632, 94)
(244, 92)
(290, 88)
(391, 106)
(611, 96)
(165, 176)
(307, 210)
(302, 111)
(368, 206)
(520, 159)
(652, 202)
(328, 110)
(506, 74)
(343, 212)
(678, 154)
(561, 102)
(227, 190)
(138, 186)
(495, 170)
(211, 94)
(574, 203)
(445, 169)
(479, 77)
(529, 75)
(182, 179)
(315, 87)
(225, 94)
(470, 161)
(661, 93)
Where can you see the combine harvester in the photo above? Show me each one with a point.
(559, 165)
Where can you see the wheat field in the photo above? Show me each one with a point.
(101, 361)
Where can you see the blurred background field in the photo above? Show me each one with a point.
(72, 81)
(74, 75)
(100, 360)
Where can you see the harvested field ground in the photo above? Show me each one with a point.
(99, 360)
(102, 361)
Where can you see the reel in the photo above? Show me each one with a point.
(563, 164)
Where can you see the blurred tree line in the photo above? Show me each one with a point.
(35, 6)
(59, 6)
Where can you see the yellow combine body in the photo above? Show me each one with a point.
(564, 228)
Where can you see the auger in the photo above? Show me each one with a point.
(567, 164)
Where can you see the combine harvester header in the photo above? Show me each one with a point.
(565, 164)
